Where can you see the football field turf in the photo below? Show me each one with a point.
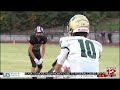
(14, 58)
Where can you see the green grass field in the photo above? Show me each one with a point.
(14, 58)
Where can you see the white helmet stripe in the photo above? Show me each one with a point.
(38, 29)
(81, 29)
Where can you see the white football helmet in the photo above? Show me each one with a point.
(39, 31)
(78, 23)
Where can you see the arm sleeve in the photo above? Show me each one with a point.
(31, 40)
(64, 50)
(66, 63)
(63, 55)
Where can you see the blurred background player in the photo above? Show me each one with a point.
(37, 40)
(82, 53)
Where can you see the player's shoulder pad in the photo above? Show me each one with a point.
(32, 39)
(97, 43)
(32, 36)
(64, 38)
(45, 38)
(64, 41)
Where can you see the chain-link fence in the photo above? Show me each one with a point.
(55, 36)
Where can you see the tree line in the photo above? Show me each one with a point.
(11, 21)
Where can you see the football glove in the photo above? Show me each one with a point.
(38, 62)
(41, 61)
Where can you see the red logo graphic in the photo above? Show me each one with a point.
(111, 71)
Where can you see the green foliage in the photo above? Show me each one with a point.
(11, 21)
(112, 25)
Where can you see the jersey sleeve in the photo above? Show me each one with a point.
(64, 50)
(31, 40)
(63, 42)
(44, 40)
(100, 49)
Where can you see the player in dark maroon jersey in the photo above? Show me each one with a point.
(36, 54)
